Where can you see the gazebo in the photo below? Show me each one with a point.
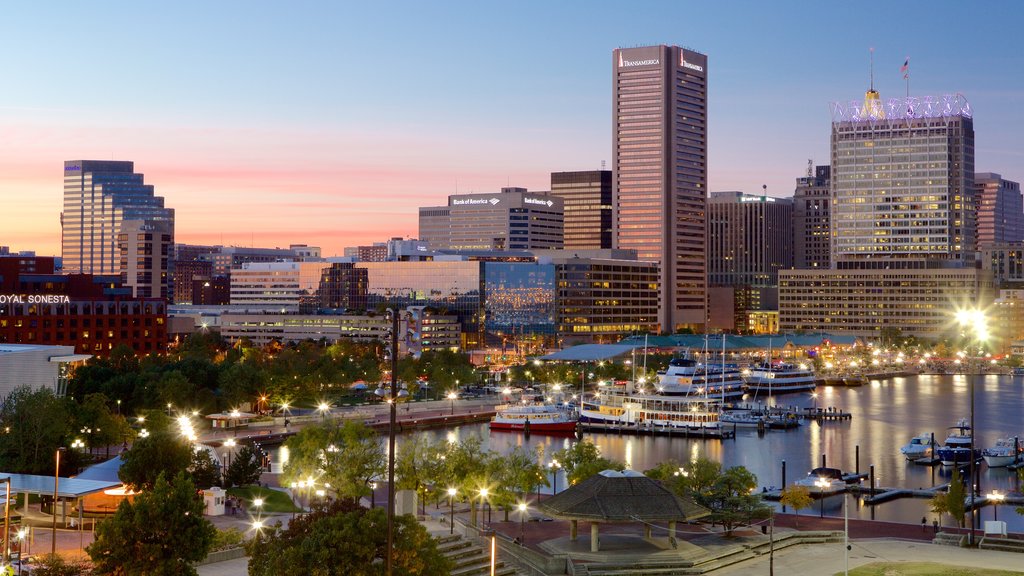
(627, 496)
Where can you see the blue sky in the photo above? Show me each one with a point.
(329, 123)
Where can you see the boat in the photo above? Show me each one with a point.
(535, 419)
(779, 378)
(760, 417)
(1018, 371)
(657, 411)
(823, 482)
(919, 447)
(957, 447)
(1006, 451)
(687, 377)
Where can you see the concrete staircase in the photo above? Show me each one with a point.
(1004, 544)
(949, 539)
(470, 559)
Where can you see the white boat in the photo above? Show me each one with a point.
(919, 447)
(1006, 451)
(687, 377)
(535, 419)
(957, 447)
(743, 418)
(651, 410)
(779, 378)
(823, 482)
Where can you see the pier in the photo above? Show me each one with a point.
(826, 415)
(680, 432)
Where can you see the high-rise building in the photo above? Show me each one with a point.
(812, 246)
(513, 219)
(659, 118)
(750, 238)
(99, 196)
(587, 198)
(903, 183)
(1000, 210)
(294, 286)
(145, 246)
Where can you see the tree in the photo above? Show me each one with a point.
(345, 456)
(418, 465)
(103, 427)
(245, 468)
(340, 538)
(35, 425)
(466, 469)
(731, 500)
(582, 460)
(952, 502)
(694, 478)
(797, 498)
(161, 532)
(205, 472)
(56, 565)
(159, 453)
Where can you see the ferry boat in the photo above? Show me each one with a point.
(957, 448)
(919, 447)
(535, 419)
(1006, 451)
(655, 411)
(687, 377)
(779, 378)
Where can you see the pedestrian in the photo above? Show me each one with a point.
(935, 525)
(924, 522)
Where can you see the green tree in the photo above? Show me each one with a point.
(582, 460)
(345, 456)
(418, 465)
(148, 458)
(954, 499)
(245, 468)
(695, 478)
(341, 538)
(205, 472)
(732, 501)
(516, 474)
(161, 532)
(34, 426)
(241, 382)
(466, 469)
(797, 498)
(56, 565)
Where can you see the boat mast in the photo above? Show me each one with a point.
(723, 369)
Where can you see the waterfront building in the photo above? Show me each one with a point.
(659, 183)
(92, 313)
(1000, 210)
(750, 238)
(290, 286)
(603, 295)
(587, 201)
(37, 367)
(513, 219)
(145, 247)
(812, 241)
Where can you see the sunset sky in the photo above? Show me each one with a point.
(329, 123)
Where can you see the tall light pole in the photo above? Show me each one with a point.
(324, 408)
(391, 395)
(56, 484)
(451, 509)
(996, 498)
(522, 523)
(452, 396)
(975, 320)
(821, 483)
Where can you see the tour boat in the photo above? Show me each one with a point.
(687, 377)
(779, 378)
(652, 410)
(823, 482)
(535, 419)
(957, 447)
(919, 447)
(1006, 451)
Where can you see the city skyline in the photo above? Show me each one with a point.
(293, 123)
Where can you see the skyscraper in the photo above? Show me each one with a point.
(587, 197)
(1000, 210)
(659, 183)
(98, 196)
(812, 246)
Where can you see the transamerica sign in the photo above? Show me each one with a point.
(648, 56)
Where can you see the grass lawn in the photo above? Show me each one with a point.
(923, 569)
(273, 500)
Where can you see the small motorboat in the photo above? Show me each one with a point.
(823, 482)
(919, 447)
(1006, 451)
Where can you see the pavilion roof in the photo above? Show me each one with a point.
(612, 496)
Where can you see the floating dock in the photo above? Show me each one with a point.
(681, 432)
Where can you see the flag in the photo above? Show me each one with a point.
(905, 69)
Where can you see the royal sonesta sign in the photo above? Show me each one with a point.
(34, 299)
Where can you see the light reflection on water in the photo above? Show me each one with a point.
(886, 414)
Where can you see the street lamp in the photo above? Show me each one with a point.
(554, 465)
(22, 533)
(975, 320)
(484, 492)
(997, 499)
(324, 408)
(453, 396)
(821, 483)
(391, 394)
(451, 509)
(56, 483)
(522, 523)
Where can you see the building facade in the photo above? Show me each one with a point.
(513, 219)
(587, 201)
(37, 367)
(659, 124)
(99, 196)
(292, 286)
(1000, 210)
(145, 248)
(812, 233)
(343, 287)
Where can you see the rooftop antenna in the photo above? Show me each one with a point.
(872, 73)
(810, 167)
(602, 164)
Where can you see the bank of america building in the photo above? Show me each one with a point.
(513, 219)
